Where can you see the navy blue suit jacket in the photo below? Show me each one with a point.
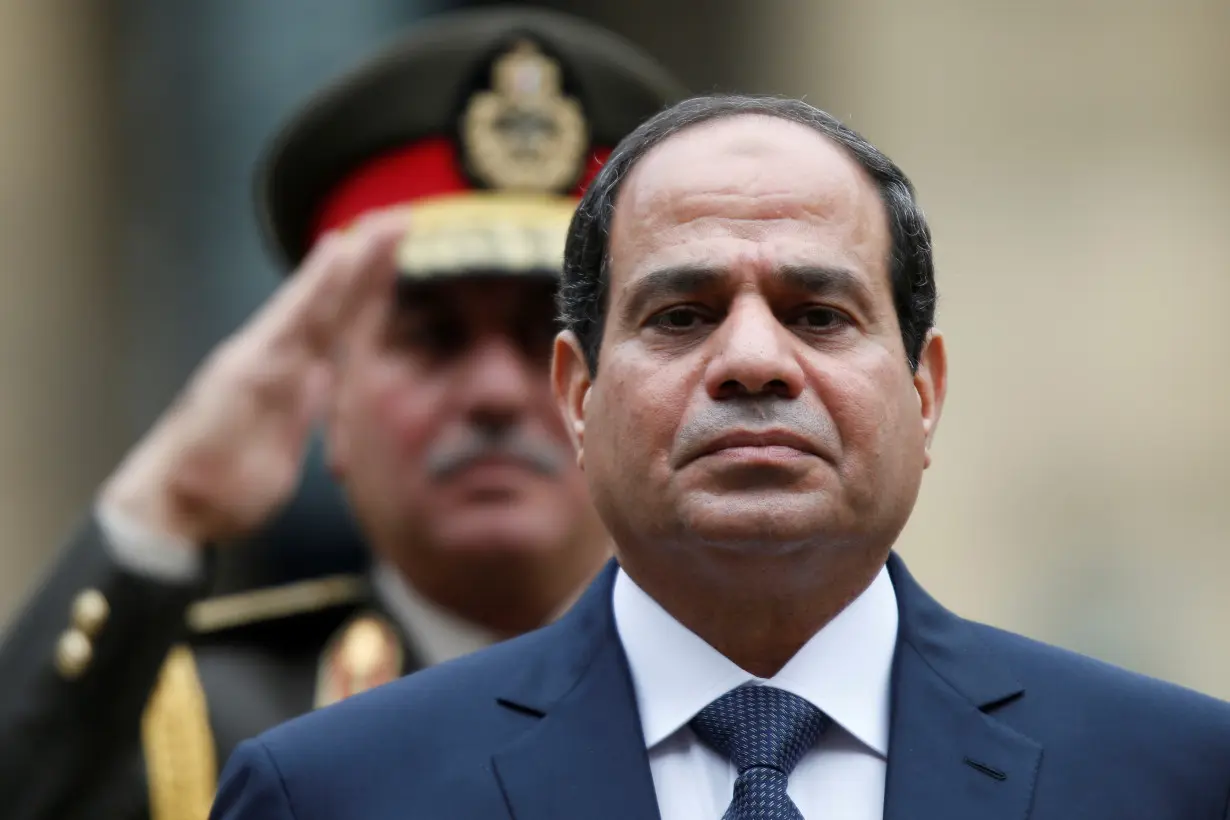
(986, 725)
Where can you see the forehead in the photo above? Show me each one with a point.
(749, 188)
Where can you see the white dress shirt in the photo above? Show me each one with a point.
(844, 670)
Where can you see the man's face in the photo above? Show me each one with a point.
(753, 391)
(445, 434)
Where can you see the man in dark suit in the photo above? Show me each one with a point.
(752, 380)
(121, 690)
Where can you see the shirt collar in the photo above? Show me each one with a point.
(436, 633)
(844, 669)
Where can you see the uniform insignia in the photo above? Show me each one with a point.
(270, 603)
(364, 653)
(525, 134)
(181, 761)
(515, 233)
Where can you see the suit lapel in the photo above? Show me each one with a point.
(949, 757)
(586, 755)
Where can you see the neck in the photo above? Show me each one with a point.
(507, 594)
(756, 611)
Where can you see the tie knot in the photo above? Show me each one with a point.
(761, 726)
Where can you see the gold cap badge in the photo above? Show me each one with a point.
(525, 134)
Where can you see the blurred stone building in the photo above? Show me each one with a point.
(1072, 157)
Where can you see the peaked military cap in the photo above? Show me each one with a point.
(487, 124)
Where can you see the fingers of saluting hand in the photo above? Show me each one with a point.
(342, 273)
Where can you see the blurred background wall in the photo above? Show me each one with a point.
(59, 314)
(1072, 157)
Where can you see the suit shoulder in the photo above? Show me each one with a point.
(438, 689)
(433, 705)
(1058, 672)
(440, 726)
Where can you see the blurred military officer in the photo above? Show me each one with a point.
(423, 354)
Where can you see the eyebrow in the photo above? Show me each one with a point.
(819, 280)
(665, 283)
(825, 280)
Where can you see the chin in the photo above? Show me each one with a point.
(499, 532)
(759, 522)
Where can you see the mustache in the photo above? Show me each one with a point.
(541, 456)
(754, 414)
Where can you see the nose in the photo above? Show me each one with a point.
(756, 355)
(497, 383)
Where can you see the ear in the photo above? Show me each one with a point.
(571, 381)
(931, 383)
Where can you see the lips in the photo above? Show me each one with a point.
(750, 439)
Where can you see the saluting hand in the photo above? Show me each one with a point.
(226, 456)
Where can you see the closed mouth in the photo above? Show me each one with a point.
(763, 438)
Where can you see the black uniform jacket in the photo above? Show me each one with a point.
(121, 696)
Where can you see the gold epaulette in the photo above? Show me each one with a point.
(181, 759)
(268, 603)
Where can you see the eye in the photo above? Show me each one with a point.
(435, 336)
(535, 337)
(678, 318)
(822, 318)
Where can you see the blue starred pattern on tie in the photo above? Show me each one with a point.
(765, 732)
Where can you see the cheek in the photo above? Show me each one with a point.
(547, 415)
(873, 407)
(395, 411)
(576, 486)
(637, 408)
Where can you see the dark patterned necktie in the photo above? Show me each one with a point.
(765, 732)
